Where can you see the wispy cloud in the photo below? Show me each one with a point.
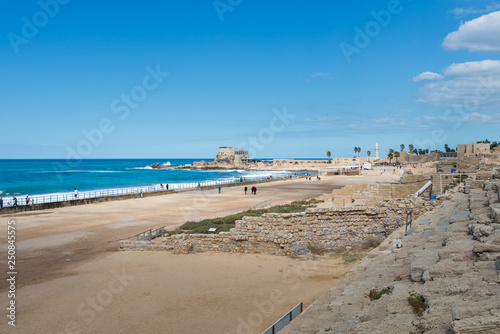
(318, 75)
(464, 11)
(322, 120)
(481, 118)
(471, 84)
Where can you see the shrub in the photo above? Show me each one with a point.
(376, 294)
(371, 243)
(417, 302)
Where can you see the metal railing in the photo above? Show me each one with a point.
(409, 220)
(41, 199)
(151, 234)
(285, 320)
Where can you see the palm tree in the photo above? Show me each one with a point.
(402, 147)
(368, 153)
(396, 154)
(329, 154)
(410, 147)
(390, 155)
(355, 150)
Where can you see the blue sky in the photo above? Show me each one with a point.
(78, 77)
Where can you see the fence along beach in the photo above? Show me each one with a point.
(105, 178)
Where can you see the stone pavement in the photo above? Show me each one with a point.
(452, 259)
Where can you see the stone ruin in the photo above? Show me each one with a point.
(328, 226)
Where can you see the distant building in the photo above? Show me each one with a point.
(231, 155)
(445, 155)
(472, 150)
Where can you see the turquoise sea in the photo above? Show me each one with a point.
(40, 177)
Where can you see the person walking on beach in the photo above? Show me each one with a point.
(255, 190)
(167, 186)
(1, 202)
(246, 188)
(76, 193)
(27, 200)
(219, 189)
(15, 201)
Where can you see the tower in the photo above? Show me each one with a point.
(376, 150)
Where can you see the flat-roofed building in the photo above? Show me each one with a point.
(231, 155)
(470, 150)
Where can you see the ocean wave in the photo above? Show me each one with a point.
(105, 171)
(167, 164)
(266, 173)
(78, 171)
(146, 167)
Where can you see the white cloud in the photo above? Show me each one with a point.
(481, 118)
(427, 76)
(317, 75)
(468, 92)
(481, 34)
(461, 11)
(470, 86)
(473, 68)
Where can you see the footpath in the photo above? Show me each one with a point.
(448, 268)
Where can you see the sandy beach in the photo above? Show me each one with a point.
(72, 279)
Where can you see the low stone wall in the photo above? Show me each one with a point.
(287, 234)
(369, 194)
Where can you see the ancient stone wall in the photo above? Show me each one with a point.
(369, 194)
(292, 233)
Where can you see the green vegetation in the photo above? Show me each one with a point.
(448, 149)
(390, 155)
(224, 224)
(357, 150)
(376, 294)
(417, 302)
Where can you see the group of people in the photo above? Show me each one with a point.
(254, 190)
(14, 201)
(166, 186)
